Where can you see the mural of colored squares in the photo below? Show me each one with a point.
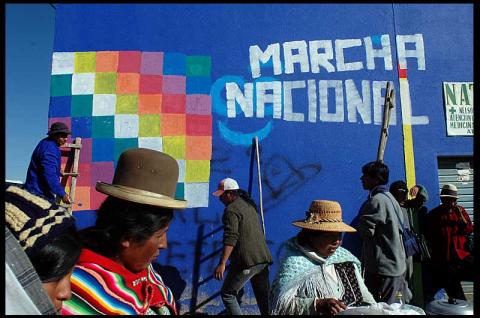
(116, 100)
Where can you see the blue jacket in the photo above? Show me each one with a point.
(43, 175)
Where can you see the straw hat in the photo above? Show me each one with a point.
(449, 190)
(145, 176)
(324, 215)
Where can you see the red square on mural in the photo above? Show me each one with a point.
(174, 103)
(129, 61)
(199, 125)
(84, 175)
(150, 84)
(86, 150)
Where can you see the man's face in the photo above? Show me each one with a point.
(60, 139)
(227, 197)
(448, 201)
(369, 182)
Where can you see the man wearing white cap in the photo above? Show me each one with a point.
(245, 245)
(446, 230)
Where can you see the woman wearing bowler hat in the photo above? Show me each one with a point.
(317, 276)
(114, 274)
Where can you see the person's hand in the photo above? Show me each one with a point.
(66, 199)
(329, 306)
(414, 191)
(219, 270)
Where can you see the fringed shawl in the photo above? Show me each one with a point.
(301, 279)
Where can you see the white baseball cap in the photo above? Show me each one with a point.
(224, 185)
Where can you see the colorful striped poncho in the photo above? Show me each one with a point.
(101, 286)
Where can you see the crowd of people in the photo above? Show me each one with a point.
(107, 268)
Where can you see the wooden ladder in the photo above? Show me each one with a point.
(72, 151)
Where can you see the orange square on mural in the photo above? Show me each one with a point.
(198, 148)
(107, 61)
(128, 83)
(149, 103)
(172, 124)
(82, 198)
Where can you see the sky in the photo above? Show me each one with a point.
(29, 30)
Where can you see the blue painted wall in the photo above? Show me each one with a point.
(301, 160)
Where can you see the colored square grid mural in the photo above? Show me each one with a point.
(118, 100)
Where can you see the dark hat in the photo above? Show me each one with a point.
(58, 128)
(398, 186)
(145, 176)
(34, 221)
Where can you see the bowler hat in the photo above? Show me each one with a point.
(324, 215)
(145, 176)
(449, 190)
(58, 128)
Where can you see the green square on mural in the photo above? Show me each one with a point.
(198, 65)
(85, 62)
(127, 104)
(149, 125)
(61, 85)
(174, 146)
(180, 191)
(105, 83)
(82, 105)
(122, 144)
(103, 126)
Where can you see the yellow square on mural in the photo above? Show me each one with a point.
(105, 83)
(85, 62)
(174, 146)
(197, 171)
(127, 104)
(149, 125)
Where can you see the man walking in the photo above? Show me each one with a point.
(245, 245)
(383, 253)
(43, 175)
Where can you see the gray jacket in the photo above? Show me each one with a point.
(382, 250)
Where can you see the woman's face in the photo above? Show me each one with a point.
(59, 291)
(136, 256)
(325, 243)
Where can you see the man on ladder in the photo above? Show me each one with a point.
(43, 175)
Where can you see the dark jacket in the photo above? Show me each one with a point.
(43, 175)
(242, 230)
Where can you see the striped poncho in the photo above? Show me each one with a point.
(101, 286)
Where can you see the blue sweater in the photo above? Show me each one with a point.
(43, 175)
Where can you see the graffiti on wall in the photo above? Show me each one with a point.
(354, 101)
(116, 100)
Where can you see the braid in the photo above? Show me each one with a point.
(244, 195)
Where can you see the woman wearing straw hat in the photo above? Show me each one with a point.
(317, 276)
(114, 274)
